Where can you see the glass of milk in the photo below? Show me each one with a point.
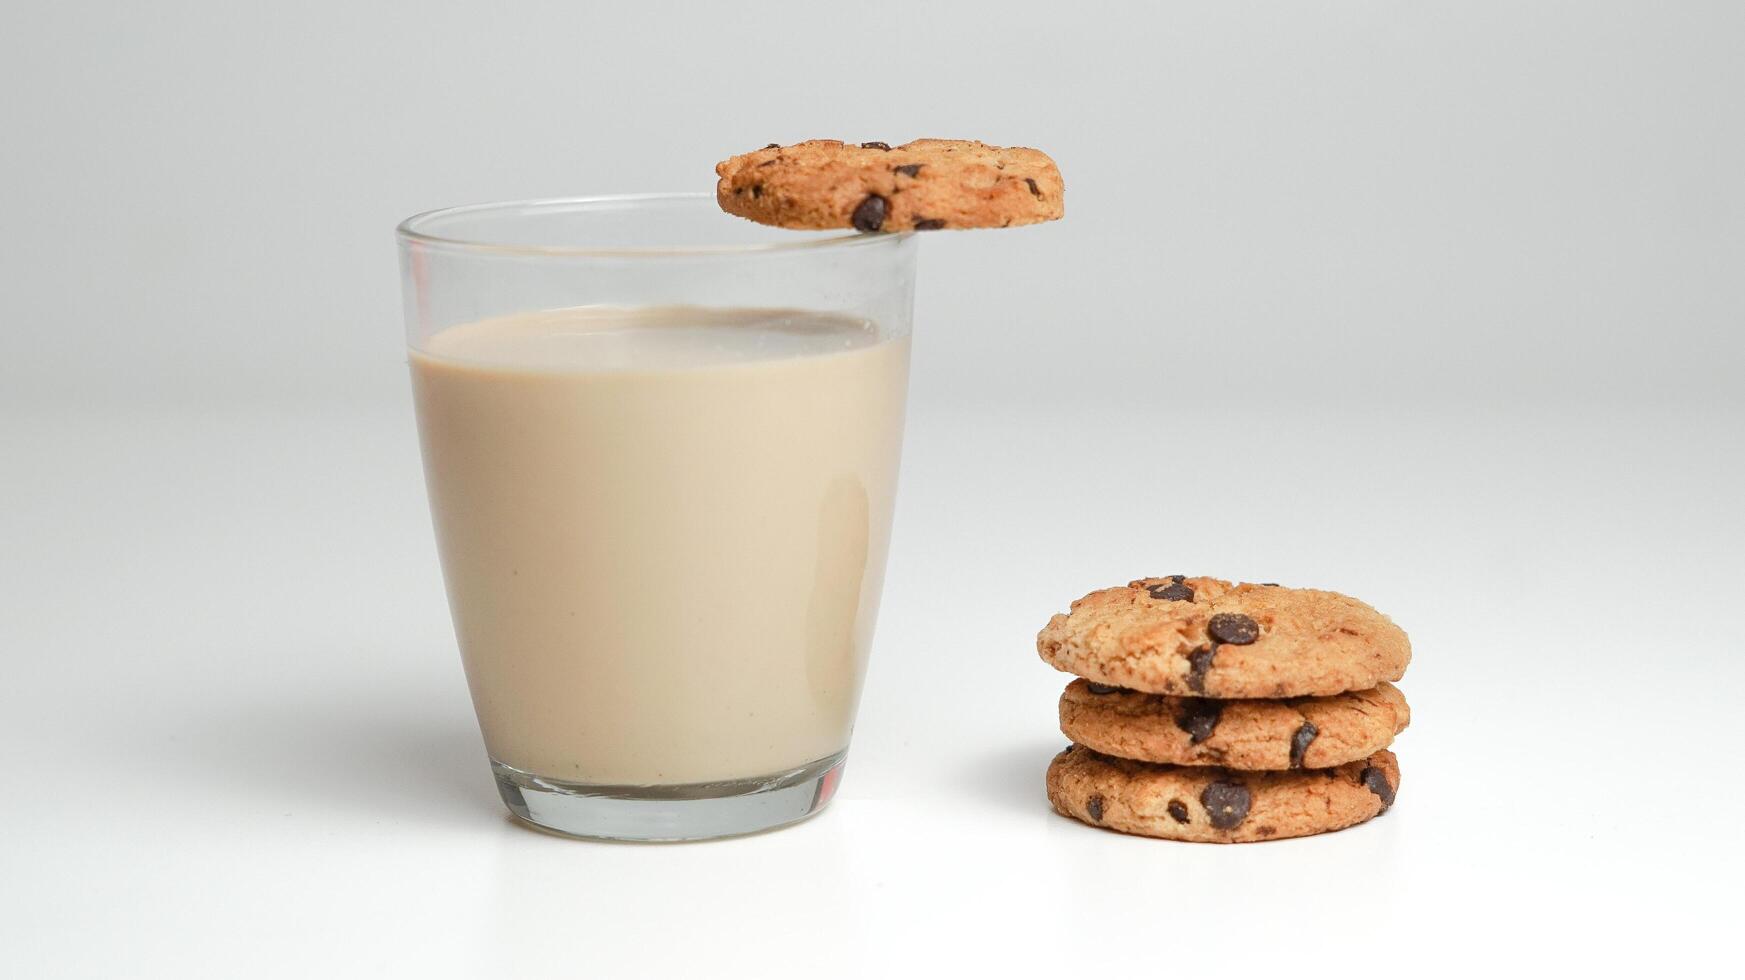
(661, 449)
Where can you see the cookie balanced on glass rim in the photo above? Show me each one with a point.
(1206, 637)
(923, 185)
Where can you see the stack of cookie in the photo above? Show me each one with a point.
(1210, 711)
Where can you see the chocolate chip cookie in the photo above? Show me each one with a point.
(1218, 805)
(923, 185)
(1210, 638)
(1296, 733)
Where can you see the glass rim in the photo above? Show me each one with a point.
(409, 230)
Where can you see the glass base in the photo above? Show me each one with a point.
(685, 811)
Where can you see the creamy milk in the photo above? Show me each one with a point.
(663, 532)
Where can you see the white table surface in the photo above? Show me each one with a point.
(237, 742)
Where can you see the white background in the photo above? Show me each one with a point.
(1435, 304)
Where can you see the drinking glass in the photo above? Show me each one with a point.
(661, 448)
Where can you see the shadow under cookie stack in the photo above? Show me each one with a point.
(1225, 713)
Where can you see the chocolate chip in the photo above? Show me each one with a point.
(1033, 188)
(929, 224)
(1198, 718)
(909, 169)
(1270, 585)
(1377, 782)
(773, 146)
(756, 190)
(1234, 629)
(1300, 743)
(875, 145)
(870, 215)
(1101, 688)
(1175, 591)
(1199, 662)
(1094, 807)
(1178, 810)
(1226, 803)
(1176, 578)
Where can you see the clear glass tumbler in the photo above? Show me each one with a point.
(661, 447)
